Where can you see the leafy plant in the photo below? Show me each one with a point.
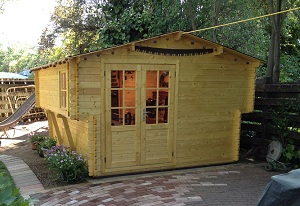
(69, 164)
(9, 194)
(47, 143)
(37, 139)
(291, 155)
(284, 127)
(282, 121)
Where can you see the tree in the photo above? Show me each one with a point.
(76, 24)
(273, 66)
(126, 21)
(85, 25)
(16, 60)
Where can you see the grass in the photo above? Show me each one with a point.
(5, 173)
(9, 193)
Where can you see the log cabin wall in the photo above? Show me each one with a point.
(212, 93)
(78, 135)
(48, 89)
(65, 124)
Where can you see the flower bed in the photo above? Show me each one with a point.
(69, 164)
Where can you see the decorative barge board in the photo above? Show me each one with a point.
(167, 102)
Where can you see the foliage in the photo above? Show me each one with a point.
(76, 29)
(282, 123)
(290, 68)
(79, 26)
(47, 143)
(68, 163)
(9, 194)
(16, 60)
(37, 139)
(291, 155)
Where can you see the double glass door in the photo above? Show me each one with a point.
(139, 114)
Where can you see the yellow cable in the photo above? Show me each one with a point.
(241, 21)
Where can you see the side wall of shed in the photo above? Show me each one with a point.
(91, 86)
(48, 94)
(79, 134)
(213, 91)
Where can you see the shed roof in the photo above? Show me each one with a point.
(177, 34)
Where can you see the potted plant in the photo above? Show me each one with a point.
(45, 145)
(36, 140)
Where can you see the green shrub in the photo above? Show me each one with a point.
(37, 139)
(70, 165)
(47, 143)
(291, 155)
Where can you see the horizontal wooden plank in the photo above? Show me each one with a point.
(87, 85)
(274, 101)
(285, 95)
(252, 127)
(278, 88)
(90, 78)
(89, 70)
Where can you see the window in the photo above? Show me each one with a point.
(157, 93)
(123, 97)
(63, 89)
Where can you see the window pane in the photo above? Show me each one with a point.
(130, 78)
(163, 115)
(164, 79)
(129, 117)
(63, 90)
(115, 98)
(151, 116)
(151, 79)
(163, 97)
(116, 117)
(129, 98)
(116, 79)
(63, 102)
(63, 81)
(151, 95)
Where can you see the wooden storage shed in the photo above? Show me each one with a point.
(166, 102)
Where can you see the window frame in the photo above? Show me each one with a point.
(63, 90)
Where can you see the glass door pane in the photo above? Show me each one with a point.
(157, 94)
(123, 97)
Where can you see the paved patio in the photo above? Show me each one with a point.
(234, 184)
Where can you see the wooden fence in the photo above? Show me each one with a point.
(13, 93)
(256, 129)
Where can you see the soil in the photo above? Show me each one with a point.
(19, 145)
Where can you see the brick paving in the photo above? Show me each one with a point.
(235, 184)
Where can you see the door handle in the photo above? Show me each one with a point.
(144, 113)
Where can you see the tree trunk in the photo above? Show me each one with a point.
(273, 67)
(276, 30)
(276, 67)
(215, 18)
(270, 64)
